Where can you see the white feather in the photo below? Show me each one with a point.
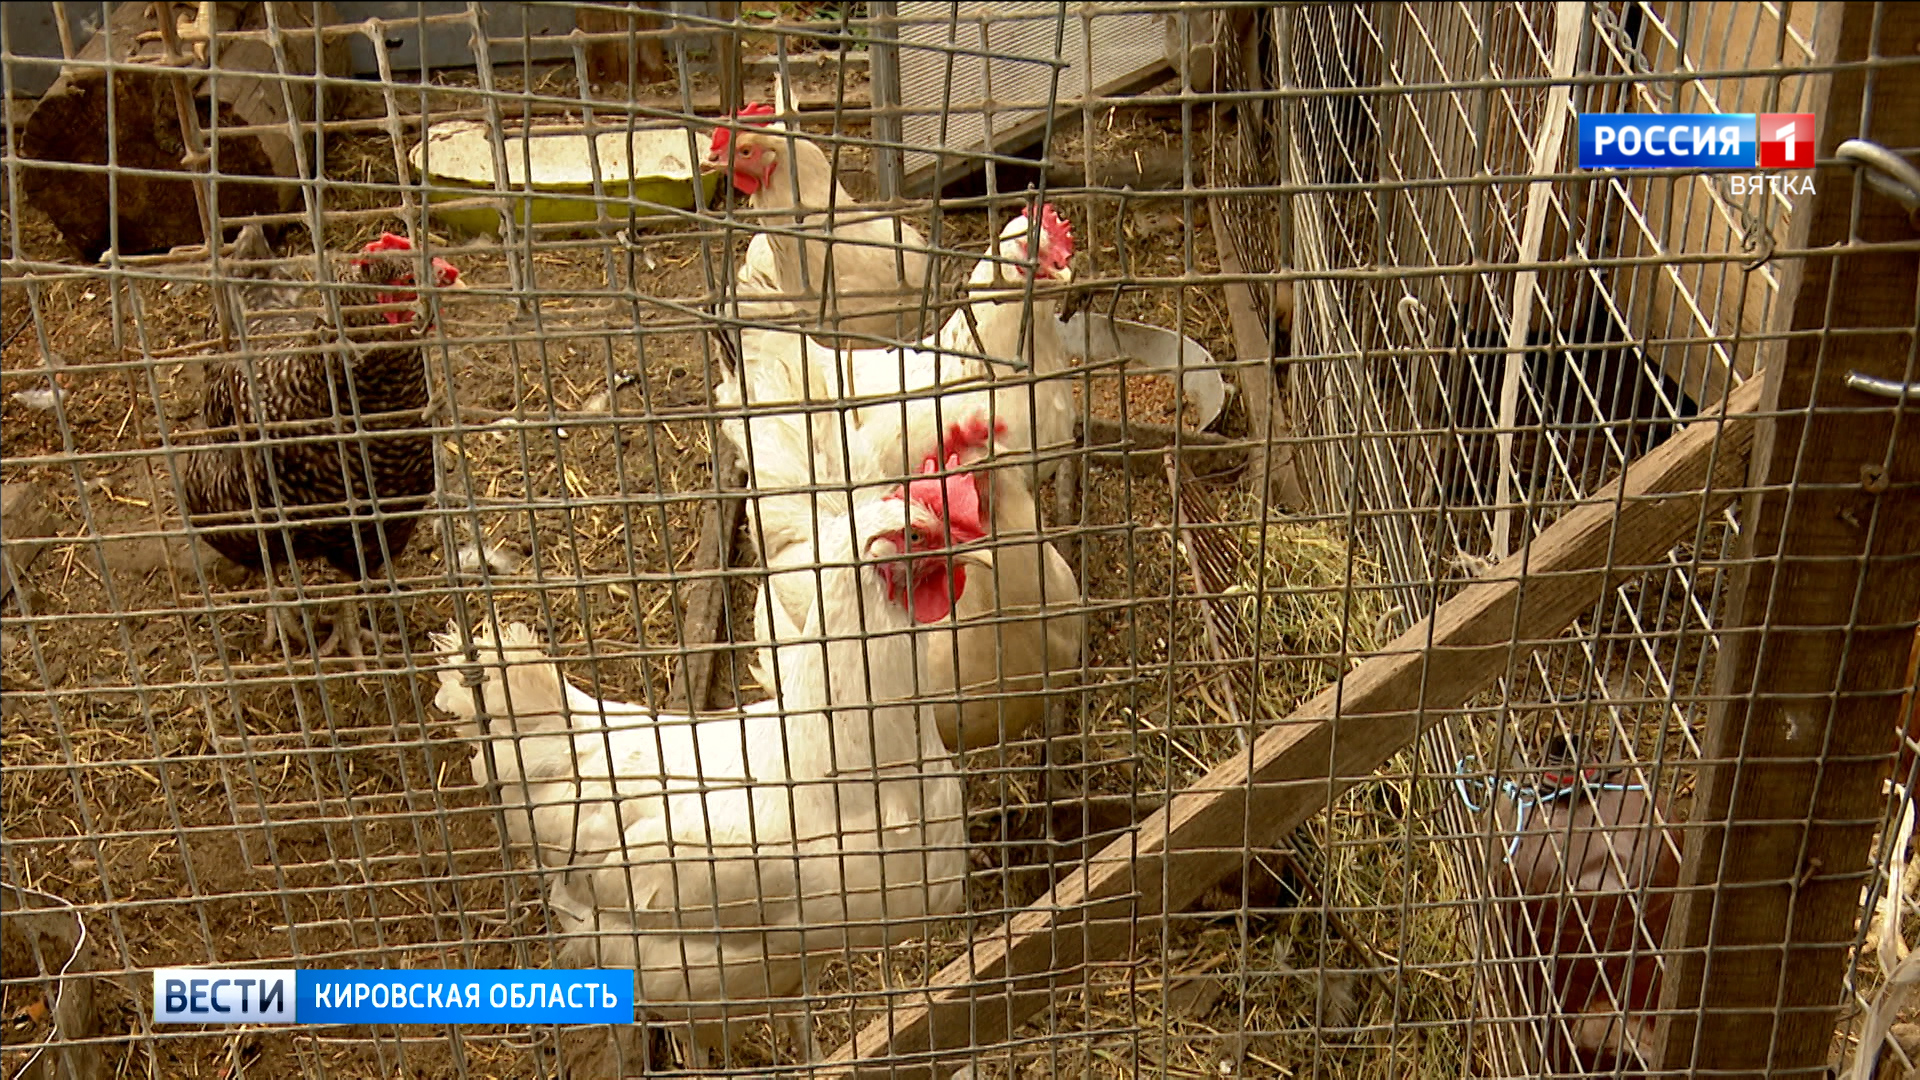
(728, 857)
(848, 433)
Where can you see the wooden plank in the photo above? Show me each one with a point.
(726, 57)
(608, 62)
(25, 516)
(1689, 213)
(704, 611)
(1820, 625)
(1273, 467)
(1327, 745)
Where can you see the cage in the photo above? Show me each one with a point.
(1098, 539)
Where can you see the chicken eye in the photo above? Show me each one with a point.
(915, 537)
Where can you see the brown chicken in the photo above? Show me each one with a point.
(262, 488)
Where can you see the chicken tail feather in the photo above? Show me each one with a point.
(251, 247)
(519, 680)
(256, 278)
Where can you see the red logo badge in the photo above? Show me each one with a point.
(1786, 140)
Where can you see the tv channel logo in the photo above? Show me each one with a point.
(1696, 141)
(490, 996)
(231, 996)
(1786, 140)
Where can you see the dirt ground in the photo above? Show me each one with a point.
(215, 803)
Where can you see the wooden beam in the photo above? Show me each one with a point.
(1329, 744)
(1820, 624)
(25, 516)
(704, 610)
(1273, 467)
(610, 62)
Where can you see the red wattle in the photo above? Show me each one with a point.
(396, 318)
(933, 594)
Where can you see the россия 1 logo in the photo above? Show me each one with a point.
(1704, 141)
(1652, 141)
(1696, 141)
(1786, 140)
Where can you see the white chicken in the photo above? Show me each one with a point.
(728, 857)
(1034, 399)
(1021, 626)
(832, 263)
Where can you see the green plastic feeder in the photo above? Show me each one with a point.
(644, 172)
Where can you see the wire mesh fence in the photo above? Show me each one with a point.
(1094, 539)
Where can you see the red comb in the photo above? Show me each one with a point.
(1059, 235)
(954, 498)
(389, 242)
(757, 113)
(967, 435)
(1056, 227)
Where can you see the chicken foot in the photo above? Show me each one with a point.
(344, 631)
(361, 638)
(799, 1029)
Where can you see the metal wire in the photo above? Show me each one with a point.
(1470, 339)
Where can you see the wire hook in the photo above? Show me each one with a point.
(1886, 388)
(1887, 171)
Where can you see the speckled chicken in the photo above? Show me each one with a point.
(337, 495)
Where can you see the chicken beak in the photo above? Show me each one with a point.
(982, 478)
(1064, 275)
(978, 556)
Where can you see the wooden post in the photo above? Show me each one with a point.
(1273, 469)
(650, 53)
(609, 62)
(726, 55)
(1820, 621)
(883, 79)
(703, 610)
(1329, 744)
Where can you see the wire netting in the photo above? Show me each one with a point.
(1342, 334)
